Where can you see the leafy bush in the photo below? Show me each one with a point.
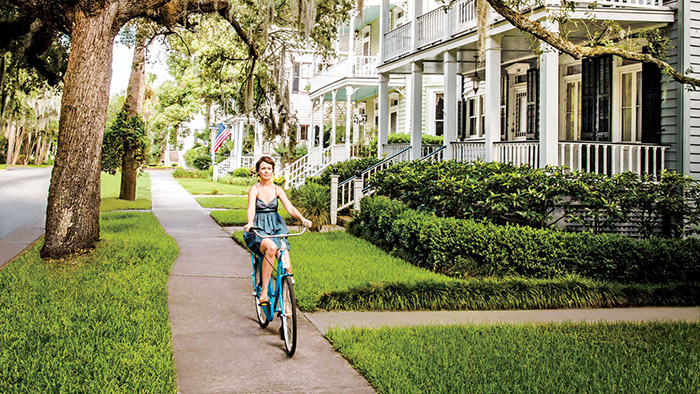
(311, 199)
(122, 135)
(242, 172)
(202, 162)
(503, 193)
(236, 180)
(193, 153)
(465, 248)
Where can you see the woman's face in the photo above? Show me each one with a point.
(265, 171)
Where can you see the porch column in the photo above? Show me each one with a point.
(450, 119)
(493, 97)
(416, 109)
(351, 44)
(322, 132)
(239, 146)
(383, 29)
(549, 102)
(333, 120)
(348, 119)
(383, 136)
(311, 135)
(416, 11)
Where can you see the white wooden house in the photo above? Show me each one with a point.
(605, 115)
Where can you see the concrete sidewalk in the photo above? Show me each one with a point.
(327, 320)
(218, 345)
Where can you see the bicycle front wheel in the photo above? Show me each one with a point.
(289, 316)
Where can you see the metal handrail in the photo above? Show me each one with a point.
(374, 166)
(436, 151)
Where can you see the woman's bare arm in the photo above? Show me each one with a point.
(250, 214)
(289, 207)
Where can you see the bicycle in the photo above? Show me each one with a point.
(280, 293)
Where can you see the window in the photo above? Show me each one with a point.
(472, 116)
(302, 77)
(482, 112)
(295, 82)
(439, 113)
(376, 114)
(572, 108)
(303, 132)
(393, 113)
(631, 104)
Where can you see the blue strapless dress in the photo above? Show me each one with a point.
(268, 222)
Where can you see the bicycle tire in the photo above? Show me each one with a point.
(262, 317)
(289, 316)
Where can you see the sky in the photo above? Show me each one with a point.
(121, 66)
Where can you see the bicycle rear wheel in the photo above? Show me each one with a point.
(259, 312)
(289, 316)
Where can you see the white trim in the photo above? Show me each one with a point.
(617, 101)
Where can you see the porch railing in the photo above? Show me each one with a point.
(612, 158)
(518, 152)
(435, 156)
(350, 191)
(398, 41)
(431, 27)
(468, 151)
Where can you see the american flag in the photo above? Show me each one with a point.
(221, 137)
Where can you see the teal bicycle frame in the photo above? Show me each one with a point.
(276, 294)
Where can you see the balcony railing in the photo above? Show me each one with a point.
(612, 158)
(398, 41)
(365, 66)
(463, 18)
(431, 27)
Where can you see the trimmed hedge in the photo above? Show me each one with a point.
(466, 248)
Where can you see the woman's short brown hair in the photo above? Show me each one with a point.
(266, 159)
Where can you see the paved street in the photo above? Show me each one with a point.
(23, 193)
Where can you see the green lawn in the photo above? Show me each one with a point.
(553, 358)
(93, 323)
(238, 217)
(3, 166)
(203, 186)
(237, 202)
(336, 271)
(110, 193)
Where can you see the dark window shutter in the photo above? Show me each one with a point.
(533, 95)
(651, 104)
(460, 119)
(604, 98)
(295, 82)
(588, 99)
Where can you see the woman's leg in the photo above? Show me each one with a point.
(270, 250)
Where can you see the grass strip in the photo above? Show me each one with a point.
(548, 358)
(236, 202)
(97, 322)
(238, 217)
(110, 193)
(336, 271)
(3, 166)
(203, 186)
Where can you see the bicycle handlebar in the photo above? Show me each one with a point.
(280, 235)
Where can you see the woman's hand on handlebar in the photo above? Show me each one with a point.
(306, 222)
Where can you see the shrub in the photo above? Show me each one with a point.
(464, 248)
(193, 153)
(311, 199)
(242, 172)
(202, 162)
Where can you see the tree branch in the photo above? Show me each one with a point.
(580, 51)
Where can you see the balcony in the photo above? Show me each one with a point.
(441, 25)
(349, 67)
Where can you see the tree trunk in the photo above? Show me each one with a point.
(10, 144)
(134, 104)
(73, 210)
(37, 150)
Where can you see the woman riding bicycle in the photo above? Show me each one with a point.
(263, 200)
